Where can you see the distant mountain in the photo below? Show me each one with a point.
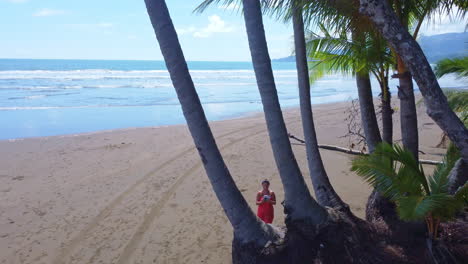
(285, 59)
(443, 46)
(435, 47)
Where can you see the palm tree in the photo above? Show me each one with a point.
(299, 204)
(247, 227)
(324, 191)
(363, 54)
(340, 54)
(368, 116)
(396, 174)
(366, 101)
(459, 66)
(388, 24)
(412, 13)
(408, 114)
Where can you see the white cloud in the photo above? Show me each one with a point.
(215, 25)
(48, 12)
(182, 31)
(443, 24)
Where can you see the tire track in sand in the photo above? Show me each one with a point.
(74, 242)
(155, 212)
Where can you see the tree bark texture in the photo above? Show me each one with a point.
(368, 116)
(324, 191)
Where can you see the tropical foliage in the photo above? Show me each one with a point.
(395, 173)
(337, 53)
(459, 66)
(458, 101)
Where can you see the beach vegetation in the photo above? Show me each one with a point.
(394, 172)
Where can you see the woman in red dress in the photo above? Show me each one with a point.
(265, 200)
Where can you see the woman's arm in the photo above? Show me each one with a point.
(259, 199)
(273, 198)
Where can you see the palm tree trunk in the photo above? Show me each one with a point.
(381, 13)
(368, 116)
(408, 114)
(378, 207)
(247, 227)
(324, 191)
(387, 112)
(299, 204)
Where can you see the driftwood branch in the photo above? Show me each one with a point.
(353, 151)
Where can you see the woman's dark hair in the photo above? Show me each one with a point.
(266, 181)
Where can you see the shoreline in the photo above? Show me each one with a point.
(233, 117)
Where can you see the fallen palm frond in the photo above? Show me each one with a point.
(355, 152)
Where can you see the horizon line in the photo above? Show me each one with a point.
(160, 60)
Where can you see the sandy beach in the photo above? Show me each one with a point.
(141, 195)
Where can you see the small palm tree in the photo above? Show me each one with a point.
(395, 173)
(359, 56)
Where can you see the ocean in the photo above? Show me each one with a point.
(60, 97)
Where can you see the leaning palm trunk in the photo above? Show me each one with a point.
(299, 204)
(324, 191)
(247, 227)
(368, 116)
(385, 20)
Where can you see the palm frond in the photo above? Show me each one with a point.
(458, 66)
(409, 171)
(411, 208)
(439, 180)
(457, 99)
(462, 193)
(207, 3)
(377, 171)
(392, 171)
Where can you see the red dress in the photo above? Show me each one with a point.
(265, 210)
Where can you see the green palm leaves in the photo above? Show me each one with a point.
(339, 54)
(395, 173)
(458, 66)
(458, 102)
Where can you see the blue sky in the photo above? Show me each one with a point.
(120, 29)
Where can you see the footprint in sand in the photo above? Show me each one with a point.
(18, 178)
(39, 212)
(6, 190)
